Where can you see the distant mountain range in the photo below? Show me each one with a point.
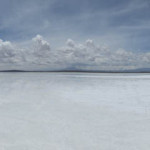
(140, 70)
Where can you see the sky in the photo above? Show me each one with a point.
(87, 34)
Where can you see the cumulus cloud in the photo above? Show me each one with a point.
(9, 53)
(87, 56)
(41, 47)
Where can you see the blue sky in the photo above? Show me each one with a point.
(116, 24)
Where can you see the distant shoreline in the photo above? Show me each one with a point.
(72, 71)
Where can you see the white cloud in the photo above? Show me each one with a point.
(40, 56)
(8, 52)
(41, 47)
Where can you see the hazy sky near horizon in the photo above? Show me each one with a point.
(118, 24)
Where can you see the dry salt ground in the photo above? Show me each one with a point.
(74, 111)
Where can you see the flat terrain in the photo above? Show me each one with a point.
(74, 111)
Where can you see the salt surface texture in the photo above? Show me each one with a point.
(74, 111)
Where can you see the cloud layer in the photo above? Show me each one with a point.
(74, 56)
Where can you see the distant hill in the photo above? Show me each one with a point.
(140, 70)
(144, 70)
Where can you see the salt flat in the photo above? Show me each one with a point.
(74, 111)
